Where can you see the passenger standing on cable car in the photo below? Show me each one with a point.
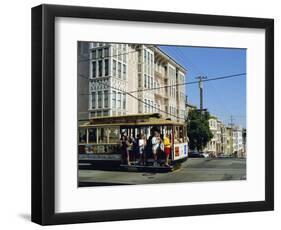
(167, 149)
(135, 148)
(124, 144)
(155, 146)
(142, 146)
(148, 147)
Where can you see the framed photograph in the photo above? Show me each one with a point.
(145, 114)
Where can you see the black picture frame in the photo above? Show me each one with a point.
(43, 114)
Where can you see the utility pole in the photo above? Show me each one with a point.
(231, 121)
(201, 91)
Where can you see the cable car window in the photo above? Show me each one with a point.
(176, 137)
(113, 134)
(83, 135)
(181, 136)
(92, 135)
(102, 135)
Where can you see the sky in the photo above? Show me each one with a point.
(223, 98)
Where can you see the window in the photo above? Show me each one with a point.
(119, 100)
(92, 135)
(124, 100)
(119, 70)
(148, 82)
(139, 55)
(113, 99)
(119, 54)
(145, 80)
(100, 68)
(152, 63)
(93, 100)
(105, 99)
(94, 69)
(99, 99)
(106, 67)
(144, 56)
(124, 72)
(114, 68)
(151, 83)
(94, 54)
(114, 50)
(100, 53)
(139, 80)
(106, 52)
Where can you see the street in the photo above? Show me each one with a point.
(193, 170)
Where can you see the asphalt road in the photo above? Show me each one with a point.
(193, 170)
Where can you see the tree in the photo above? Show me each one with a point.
(198, 130)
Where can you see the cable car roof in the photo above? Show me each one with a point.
(129, 120)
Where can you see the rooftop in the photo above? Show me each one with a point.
(161, 52)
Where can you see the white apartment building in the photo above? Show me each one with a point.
(218, 144)
(123, 78)
(220, 134)
(212, 144)
(237, 140)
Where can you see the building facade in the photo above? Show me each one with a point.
(223, 138)
(237, 141)
(212, 144)
(229, 141)
(219, 144)
(131, 79)
(244, 137)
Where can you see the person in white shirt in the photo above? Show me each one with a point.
(142, 145)
(155, 145)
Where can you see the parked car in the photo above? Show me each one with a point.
(195, 154)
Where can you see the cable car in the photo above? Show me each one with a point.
(99, 139)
